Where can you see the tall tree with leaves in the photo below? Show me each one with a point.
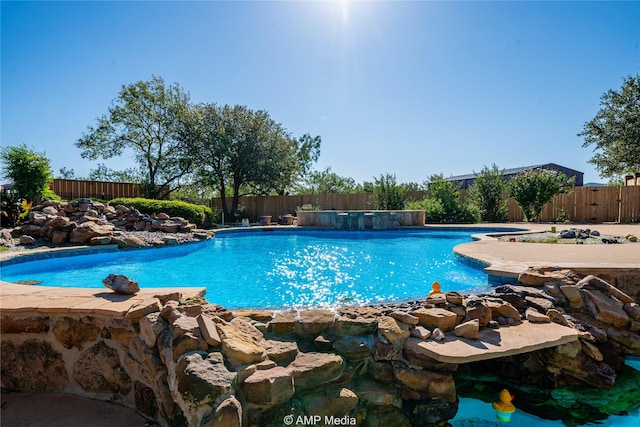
(488, 194)
(615, 131)
(146, 118)
(30, 172)
(325, 182)
(240, 152)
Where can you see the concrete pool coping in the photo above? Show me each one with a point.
(508, 259)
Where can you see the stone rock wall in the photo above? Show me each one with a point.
(93, 223)
(198, 364)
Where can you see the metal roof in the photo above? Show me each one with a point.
(511, 171)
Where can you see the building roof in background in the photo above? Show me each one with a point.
(511, 171)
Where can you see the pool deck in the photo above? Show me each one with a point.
(508, 259)
(16, 299)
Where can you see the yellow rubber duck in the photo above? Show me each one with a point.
(504, 408)
(435, 289)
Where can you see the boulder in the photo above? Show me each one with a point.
(227, 414)
(150, 327)
(281, 352)
(480, 311)
(313, 369)
(373, 393)
(6, 239)
(593, 282)
(59, 237)
(539, 278)
(314, 321)
(85, 231)
(557, 317)
(440, 318)
(534, 316)
(503, 309)
(186, 343)
(420, 332)
(202, 378)
(284, 322)
(148, 305)
(75, 332)
(208, 330)
(407, 318)
(469, 329)
(121, 284)
(572, 293)
(32, 366)
(606, 309)
(438, 334)
(100, 240)
(13, 324)
(27, 240)
(269, 387)
(393, 331)
(238, 348)
(428, 384)
(358, 347)
(98, 370)
(330, 401)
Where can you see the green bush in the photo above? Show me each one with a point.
(488, 194)
(200, 215)
(442, 204)
(533, 188)
(388, 194)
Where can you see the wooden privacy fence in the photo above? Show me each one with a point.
(583, 204)
(73, 189)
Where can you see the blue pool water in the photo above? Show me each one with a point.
(477, 413)
(282, 268)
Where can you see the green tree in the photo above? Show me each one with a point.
(488, 194)
(240, 152)
(325, 182)
(65, 173)
(146, 119)
(533, 188)
(30, 172)
(442, 203)
(388, 194)
(615, 131)
(103, 173)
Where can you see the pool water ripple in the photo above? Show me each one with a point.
(281, 269)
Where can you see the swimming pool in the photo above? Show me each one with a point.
(284, 267)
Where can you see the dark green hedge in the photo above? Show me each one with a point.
(200, 215)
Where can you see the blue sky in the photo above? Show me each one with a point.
(411, 88)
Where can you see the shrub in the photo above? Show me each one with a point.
(200, 215)
(442, 204)
(488, 194)
(534, 188)
(29, 171)
(388, 194)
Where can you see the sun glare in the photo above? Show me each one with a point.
(343, 6)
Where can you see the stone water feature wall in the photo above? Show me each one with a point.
(361, 220)
(188, 362)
